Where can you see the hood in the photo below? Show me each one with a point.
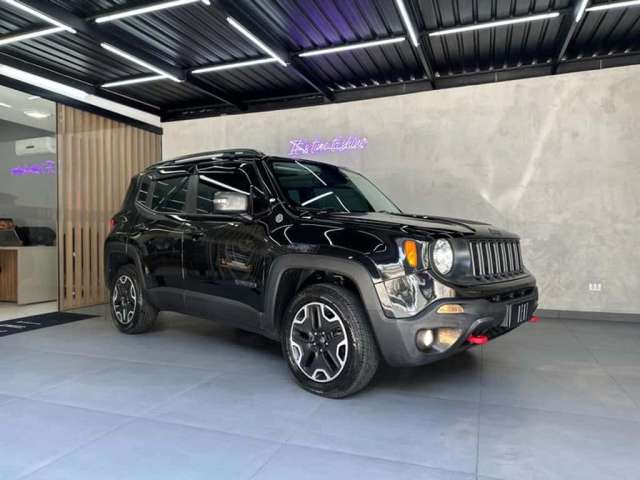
(422, 224)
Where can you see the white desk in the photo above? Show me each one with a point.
(28, 274)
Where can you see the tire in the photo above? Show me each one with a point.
(337, 355)
(126, 288)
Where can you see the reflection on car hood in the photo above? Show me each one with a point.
(424, 223)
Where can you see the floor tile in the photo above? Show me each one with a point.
(619, 363)
(425, 431)
(293, 462)
(528, 444)
(617, 342)
(153, 450)
(177, 340)
(36, 371)
(591, 393)
(130, 388)
(605, 327)
(569, 358)
(456, 378)
(33, 433)
(266, 406)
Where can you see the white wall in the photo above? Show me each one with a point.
(555, 159)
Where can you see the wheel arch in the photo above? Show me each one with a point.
(115, 257)
(290, 273)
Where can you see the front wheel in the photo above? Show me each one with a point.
(328, 342)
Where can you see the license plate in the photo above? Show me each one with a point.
(517, 314)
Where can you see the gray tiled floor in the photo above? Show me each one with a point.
(556, 400)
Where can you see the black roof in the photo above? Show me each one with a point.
(179, 40)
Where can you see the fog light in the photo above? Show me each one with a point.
(424, 339)
(446, 337)
(450, 308)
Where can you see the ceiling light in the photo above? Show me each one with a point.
(581, 8)
(140, 62)
(5, 105)
(256, 41)
(610, 6)
(499, 23)
(40, 15)
(407, 22)
(133, 81)
(34, 97)
(353, 46)
(42, 82)
(6, 40)
(229, 66)
(148, 9)
(36, 114)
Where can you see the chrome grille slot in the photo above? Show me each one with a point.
(492, 259)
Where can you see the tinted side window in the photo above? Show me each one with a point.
(170, 194)
(143, 191)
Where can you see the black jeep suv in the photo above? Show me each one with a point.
(315, 256)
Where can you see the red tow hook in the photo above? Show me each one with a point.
(534, 319)
(478, 339)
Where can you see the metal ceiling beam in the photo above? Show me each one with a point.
(567, 32)
(422, 49)
(97, 34)
(231, 8)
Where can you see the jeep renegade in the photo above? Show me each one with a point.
(312, 255)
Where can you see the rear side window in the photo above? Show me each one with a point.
(143, 191)
(170, 194)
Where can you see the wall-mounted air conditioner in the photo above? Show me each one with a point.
(35, 146)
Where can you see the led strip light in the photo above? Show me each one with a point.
(498, 23)
(353, 46)
(138, 61)
(148, 9)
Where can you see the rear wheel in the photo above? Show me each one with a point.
(130, 311)
(328, 342)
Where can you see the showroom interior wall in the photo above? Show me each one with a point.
(554, 159)
(97, 157)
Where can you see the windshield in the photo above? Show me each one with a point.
(326, 187)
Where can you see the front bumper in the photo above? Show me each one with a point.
(397, 337)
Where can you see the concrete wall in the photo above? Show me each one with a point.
(555, 159)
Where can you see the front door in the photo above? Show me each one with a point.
(225, 254)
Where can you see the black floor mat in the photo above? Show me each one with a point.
(27, 324)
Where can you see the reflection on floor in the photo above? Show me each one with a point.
(554, 400)
(11, 311)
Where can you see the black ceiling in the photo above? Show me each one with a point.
(195, 35)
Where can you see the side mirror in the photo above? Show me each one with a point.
(230, 202)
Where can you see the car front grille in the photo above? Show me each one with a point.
(495, 259)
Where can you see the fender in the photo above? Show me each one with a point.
(355, 271)
(127, 251)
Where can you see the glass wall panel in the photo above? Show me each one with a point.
(28, 205)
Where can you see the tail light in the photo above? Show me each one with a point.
(112, 224)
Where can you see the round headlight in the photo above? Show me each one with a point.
(443, 256)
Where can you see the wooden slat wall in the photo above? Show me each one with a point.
(96, 159)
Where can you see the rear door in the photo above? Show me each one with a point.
(158, 232)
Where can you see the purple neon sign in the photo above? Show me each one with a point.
(43, 168)
(319, 146)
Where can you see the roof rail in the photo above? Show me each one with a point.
(215, 154)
